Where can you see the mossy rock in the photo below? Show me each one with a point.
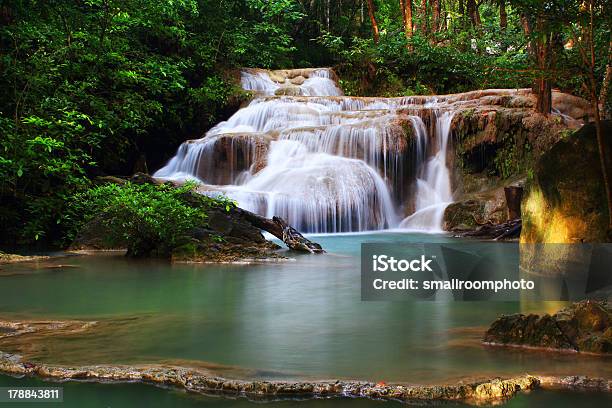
(565, 200)
(463, 215)
(584, 326)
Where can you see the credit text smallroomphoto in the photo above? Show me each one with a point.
(305, 203)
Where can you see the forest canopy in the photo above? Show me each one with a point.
(98, 87)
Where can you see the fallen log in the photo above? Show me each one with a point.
(507, 230)
(283, 231)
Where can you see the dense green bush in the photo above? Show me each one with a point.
(150, 219)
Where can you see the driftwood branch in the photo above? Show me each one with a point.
(507, 230)
(283, 231)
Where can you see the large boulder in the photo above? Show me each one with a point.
(565, 199)
(476, 210)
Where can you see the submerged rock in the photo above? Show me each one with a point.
(584, 326)
(576, 382)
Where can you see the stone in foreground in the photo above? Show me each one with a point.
(584, 327)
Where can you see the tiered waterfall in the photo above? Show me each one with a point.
(323, 161)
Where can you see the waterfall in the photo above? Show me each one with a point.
(324, 162)
(433, 187)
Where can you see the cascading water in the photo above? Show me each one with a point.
(433, 192)
(324, 162)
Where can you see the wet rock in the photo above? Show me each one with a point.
(584, 326)
(531, 330)
(577, 383)
(228, 236)
(501, 139)
(224, 157)
(144, 178)
(498, 139)
(484, 207)
(472, 213)
(197, 381)
(289, 91)
(298, 80)
(294, 76)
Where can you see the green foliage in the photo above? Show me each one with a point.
(89, 87)
(396, 66)
(151, 219)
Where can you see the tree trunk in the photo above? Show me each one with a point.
(408, 28)
(503, 15)
(472, 9)
(423, 27)
(514, 195)
(542, 87)
(281, 230)
(527, 29)
(373, 20)
(603, 96)
(403, 11)
(435, 25)
(604, 161)
(540, 51)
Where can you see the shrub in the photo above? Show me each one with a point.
(150, 219)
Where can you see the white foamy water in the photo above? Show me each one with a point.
(324, 162)
(433, 192)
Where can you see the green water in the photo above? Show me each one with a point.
(297, 319)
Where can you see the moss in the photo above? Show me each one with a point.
(464, 215)
(408, 130)
(468, 113)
